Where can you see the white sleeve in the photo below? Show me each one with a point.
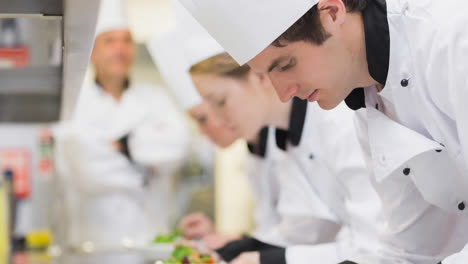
(306, 229)
(94, 166)
(446, 71)
(321, 253)
(342, 250)
(459, 258)
(459, 98)
(162, 139)
(451, 97)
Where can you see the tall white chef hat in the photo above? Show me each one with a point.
(199, 48)
(167, 52)
(198, 45)
(245, 27)
(112, 16)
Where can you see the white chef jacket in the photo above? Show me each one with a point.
(323, 147)
(116, 199)
(287, 211)
(458, 258)
(264, 181)
(415, 131)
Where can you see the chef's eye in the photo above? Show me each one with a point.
(221, 102)
(288, 66)
(109, 40)
(201, 120)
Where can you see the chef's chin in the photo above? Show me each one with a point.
(326, 105)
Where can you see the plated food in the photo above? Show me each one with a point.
(187, 255)
(172, 237)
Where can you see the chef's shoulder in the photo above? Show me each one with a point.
(152, 93)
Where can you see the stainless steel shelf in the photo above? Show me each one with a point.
(44, 7)
(31, 81)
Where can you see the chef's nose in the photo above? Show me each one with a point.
(285, 91)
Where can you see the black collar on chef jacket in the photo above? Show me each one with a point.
(296, 125)
(260, 147)
(377, 38)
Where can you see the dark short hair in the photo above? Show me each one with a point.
(309, 28)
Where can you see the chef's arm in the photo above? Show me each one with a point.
(160, 142)
(95, 166)
(246, 244)
(321, 253)
(454, 104)
(460, 97)
(459, 258)
(316, 232)
(307, 229)
(450, 94)
(272, 254)
(121, 145)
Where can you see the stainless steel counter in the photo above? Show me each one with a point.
(102, 258)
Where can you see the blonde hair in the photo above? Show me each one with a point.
(222, 65)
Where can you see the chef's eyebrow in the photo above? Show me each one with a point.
(210, 96)
(276, 62)
(213, 97)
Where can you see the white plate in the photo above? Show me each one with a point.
(159, 251)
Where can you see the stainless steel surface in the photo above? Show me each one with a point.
(80, 18)
(75, 258)
(29, 108)
(30, 90)
(45, 80)
(47, 7)
(58, 37)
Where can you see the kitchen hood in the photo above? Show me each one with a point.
(44, 53)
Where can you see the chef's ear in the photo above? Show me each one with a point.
(332, 14)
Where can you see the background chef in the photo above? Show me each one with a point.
(120, 149)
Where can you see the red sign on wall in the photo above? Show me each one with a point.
(17, 161)
(17, 57)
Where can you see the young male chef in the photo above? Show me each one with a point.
(411, 57)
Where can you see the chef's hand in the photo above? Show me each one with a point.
(216, 240)
(247, 258)
(196, 226)
(116, 145)
(199, 247)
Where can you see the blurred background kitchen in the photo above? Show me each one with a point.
(43, 51)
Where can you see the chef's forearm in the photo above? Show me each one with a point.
(278, 256)
(247, 244)
(123, 144)
(273, 256)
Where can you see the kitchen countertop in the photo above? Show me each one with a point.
(108, 258)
